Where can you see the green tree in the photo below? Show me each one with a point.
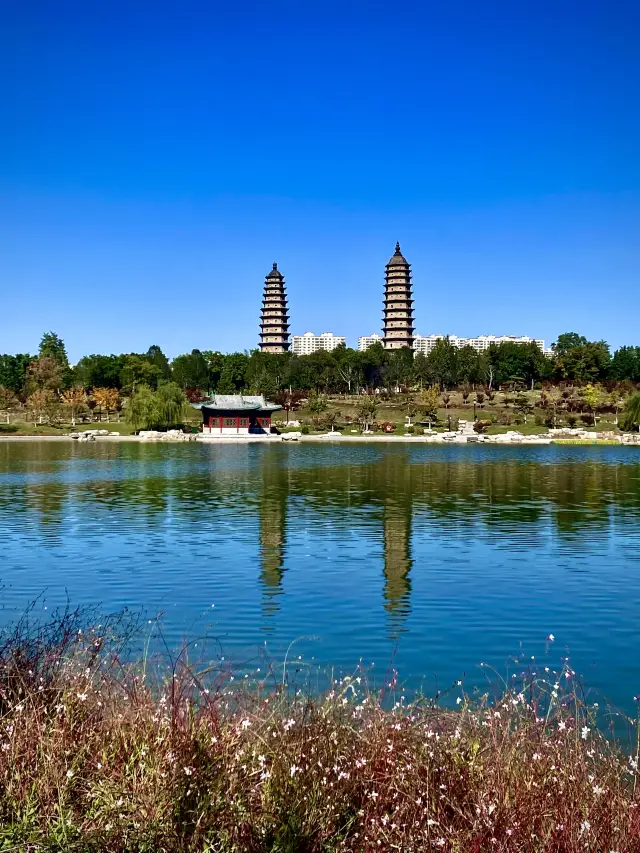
(13, 371)
(137, 370)
(142, 412)
(429, 400)
(317, 405)
(468, 366)
(523, 405)
(190, 371)
(372, 362)
(155, 356)
(52, 346)
(233, 378)
(348, 366)
(591, 397)
(617, 399)
(625, 364)
(215, 362)
(442, 361)
(568, 341)
(172, 407)
(366, 412)
(587, 363)
(99, 371)
(631, 417)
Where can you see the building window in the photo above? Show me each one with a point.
(244, 422)
(229, 422)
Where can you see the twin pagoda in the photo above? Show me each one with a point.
(398, 328)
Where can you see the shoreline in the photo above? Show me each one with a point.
(342, 439)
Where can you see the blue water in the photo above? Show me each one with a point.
(428, 559)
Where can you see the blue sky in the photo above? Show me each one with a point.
(156, 158)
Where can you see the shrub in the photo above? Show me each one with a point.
(304, 430)
(8, 428)
(98, 754)
(481, 426)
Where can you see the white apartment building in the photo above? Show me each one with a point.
(425, 343)
(308, 343)
(366, 341)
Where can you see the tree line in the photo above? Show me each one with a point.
(344, 370)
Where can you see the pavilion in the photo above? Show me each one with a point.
(229, 415)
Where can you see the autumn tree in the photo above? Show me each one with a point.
(7, 400)
(76, 399)
(44, 374)
(111, 400)
(99, 396)
(42, 403)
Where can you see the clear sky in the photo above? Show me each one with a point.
(156, 158)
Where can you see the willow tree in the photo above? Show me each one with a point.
(631, 415)
(171, 405)
(142, 409)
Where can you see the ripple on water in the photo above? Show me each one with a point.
(433, 558)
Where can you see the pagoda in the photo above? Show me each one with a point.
(274, 319)
(398, 303)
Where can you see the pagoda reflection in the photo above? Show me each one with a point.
(272, 509)
(397, 516)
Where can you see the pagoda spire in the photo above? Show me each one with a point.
(398, 303)
(274, 317)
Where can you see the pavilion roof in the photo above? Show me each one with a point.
(237, 402)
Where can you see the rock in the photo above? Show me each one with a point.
(291, 436)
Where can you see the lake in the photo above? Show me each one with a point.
(428, 559)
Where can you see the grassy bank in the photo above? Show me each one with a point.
(97, 754)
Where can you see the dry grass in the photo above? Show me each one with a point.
(99, 755)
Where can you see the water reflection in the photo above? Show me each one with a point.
(272, 508)
(443, 552)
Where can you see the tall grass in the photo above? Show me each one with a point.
(99, 754)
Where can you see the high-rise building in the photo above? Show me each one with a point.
(398, 303)
(274, 319)
(366, 341)
(308, 343)
(425, 343)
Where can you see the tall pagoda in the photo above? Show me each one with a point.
(274, 319)
(398, 303)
